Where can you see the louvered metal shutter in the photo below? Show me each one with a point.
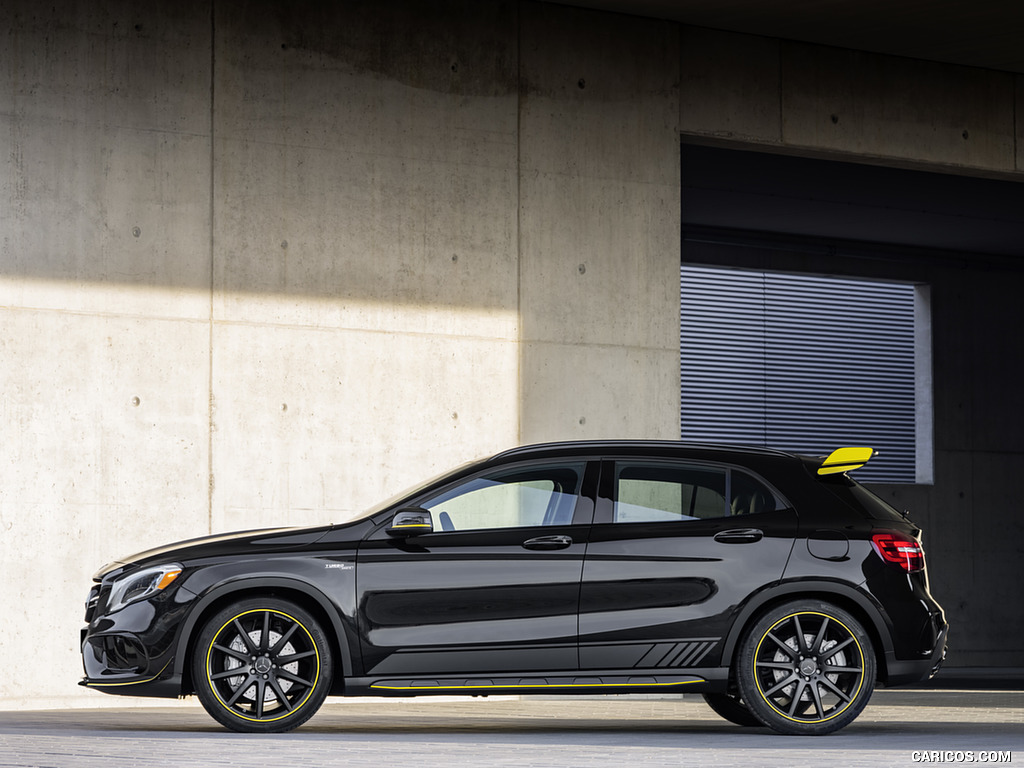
(805, 364)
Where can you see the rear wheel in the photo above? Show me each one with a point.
(806, 668)
(732, 708)
(262, 665)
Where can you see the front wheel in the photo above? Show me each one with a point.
(806, 668)
(262, 665)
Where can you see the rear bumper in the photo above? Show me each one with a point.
(903, 672)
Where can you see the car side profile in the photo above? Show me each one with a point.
(772, 583)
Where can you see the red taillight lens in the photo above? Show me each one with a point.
(898, 548)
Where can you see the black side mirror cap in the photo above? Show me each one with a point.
(412, 521)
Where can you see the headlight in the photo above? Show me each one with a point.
(140, 585)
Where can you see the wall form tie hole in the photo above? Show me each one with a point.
(136, 401)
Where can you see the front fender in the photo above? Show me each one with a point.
(219, 593)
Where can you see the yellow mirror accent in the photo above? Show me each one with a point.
(845, 459)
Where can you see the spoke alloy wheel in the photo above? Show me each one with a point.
(263, 665)
(809, 667)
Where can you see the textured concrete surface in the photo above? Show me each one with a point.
(880, 106)
(529, 732)
(731, 86)
(811, 98)
(599, 230)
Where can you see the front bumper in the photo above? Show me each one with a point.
(132, 651)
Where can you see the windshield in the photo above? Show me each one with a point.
(413, 490)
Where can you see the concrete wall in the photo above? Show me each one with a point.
(851, 105)
(365, 268)
(598, 225)
(265, 263)
(104, 309)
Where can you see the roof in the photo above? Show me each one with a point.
(597, 447)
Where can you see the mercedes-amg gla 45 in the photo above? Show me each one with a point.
(773, 584)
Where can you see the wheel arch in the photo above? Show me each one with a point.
(299, 592)
(845, 596)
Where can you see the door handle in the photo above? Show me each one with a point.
(548, 542)
(739, 536)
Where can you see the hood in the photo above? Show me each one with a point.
(261, 539)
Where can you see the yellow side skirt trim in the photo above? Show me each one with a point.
(386, 687)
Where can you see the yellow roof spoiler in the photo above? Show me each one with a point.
(845, 459)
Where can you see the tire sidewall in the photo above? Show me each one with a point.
(764, 711)
(732, 708)
(211, 701)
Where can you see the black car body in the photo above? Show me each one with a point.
(780, 593)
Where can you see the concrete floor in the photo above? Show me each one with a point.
(611, 731)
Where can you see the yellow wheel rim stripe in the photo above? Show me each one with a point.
(860, 651)
(209, 679)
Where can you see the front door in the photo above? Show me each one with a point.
(494, 587)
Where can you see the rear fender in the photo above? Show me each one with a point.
(842, 594)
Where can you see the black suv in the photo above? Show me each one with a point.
(772, 583)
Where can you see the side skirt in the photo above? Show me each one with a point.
(628, 681)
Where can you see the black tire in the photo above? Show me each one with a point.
(283, 663)
(732, 708)
(806, 668)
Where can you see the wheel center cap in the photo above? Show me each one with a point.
(262, 665)
(808, 667)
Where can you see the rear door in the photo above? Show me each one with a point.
(675, 549)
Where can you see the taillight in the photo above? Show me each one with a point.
(899, 548)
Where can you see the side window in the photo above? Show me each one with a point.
(647, 493)
(659, 493)
(749, 496)
(533, 496)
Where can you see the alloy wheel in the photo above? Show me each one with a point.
(807, 671)
(264, 667)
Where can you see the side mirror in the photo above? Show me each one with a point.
(411, 521)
